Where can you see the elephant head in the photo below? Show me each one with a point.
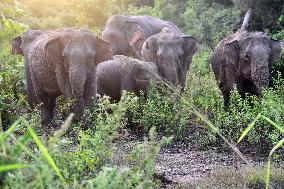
(144, 73)
(123, 33)
(75, 54)
(252, 56)
(16, 46)
(172, 53)
(21, 44)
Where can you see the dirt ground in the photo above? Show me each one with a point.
(186, 167)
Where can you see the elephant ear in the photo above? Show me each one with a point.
(134, 33)
(149, 49)
(53, 49)
(16, 45)
(103, 50)
(189, 48)
(275, 47)
(231, 53)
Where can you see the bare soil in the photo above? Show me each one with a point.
(188, 167)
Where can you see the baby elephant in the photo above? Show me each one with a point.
(124, 73)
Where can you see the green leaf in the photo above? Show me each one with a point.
(44, 151)
(278, 145)
(273, 123)
(12, 166)
(250, 126)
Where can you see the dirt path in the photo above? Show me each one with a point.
(187, 167)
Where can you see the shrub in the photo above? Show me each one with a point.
(12, 83)
(83, 162)
(163, 111)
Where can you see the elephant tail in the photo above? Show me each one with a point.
(246, 20)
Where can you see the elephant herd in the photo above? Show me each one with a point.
(133, 51)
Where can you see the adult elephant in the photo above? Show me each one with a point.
(63, 63)
(21, 45)
(172, 53)
(244, 58)
(124, 73)
(127, 33)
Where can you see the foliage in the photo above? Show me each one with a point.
(265, 16)
(165, 112)
(82, 163)
(12, 81)
(211, 23)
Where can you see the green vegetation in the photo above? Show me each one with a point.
(85, 159)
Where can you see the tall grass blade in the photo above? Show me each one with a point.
(278, 145)
(273, 123)
(12, 166)
(44, 151)
(1, 126)
(267, 180)
(5, 135)
(250, 126)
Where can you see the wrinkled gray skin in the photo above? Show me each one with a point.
(124, 73)
(128, 33)
(173, 55)
(244, 58)
(21, 45)
(63, 63)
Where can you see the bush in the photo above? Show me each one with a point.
(12, 82)
(83, 162)
(165, 112)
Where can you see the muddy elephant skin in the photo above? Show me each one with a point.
(244, 58)
(172, 53)
(124, 73)
(63, 62)
(127, 33)
(21, 45)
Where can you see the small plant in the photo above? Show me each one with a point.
(141, 174)
(161, 110)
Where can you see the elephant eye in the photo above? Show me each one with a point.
(247, 57)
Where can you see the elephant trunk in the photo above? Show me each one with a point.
(261, 77)
(78, 76)
(260, 67)
(169, 70)
(32, 99)
(170, 75)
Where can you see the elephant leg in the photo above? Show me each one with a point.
(32, 99)
(226, 91)
(129, 85)
(181, 79)
(47, 102)
(47, 109)
(89, 91)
